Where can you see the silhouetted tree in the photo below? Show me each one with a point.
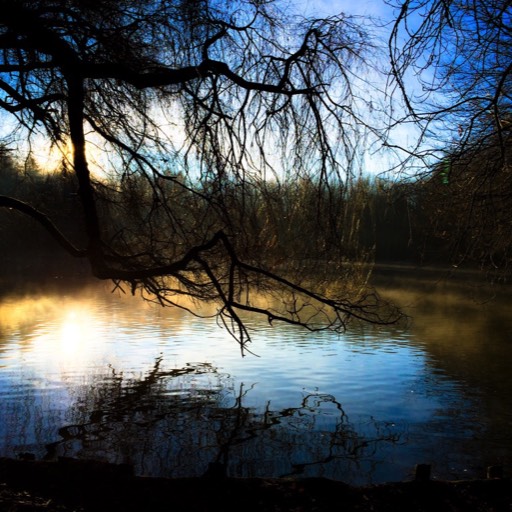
(169, 113)
(462, 53)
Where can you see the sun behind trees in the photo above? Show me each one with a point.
(205, 114)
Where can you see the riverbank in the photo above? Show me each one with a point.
(69, 485)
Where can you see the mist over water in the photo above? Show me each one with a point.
(90, 374)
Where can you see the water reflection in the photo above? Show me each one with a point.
(102, 376)
(178, 422)
(463, 325)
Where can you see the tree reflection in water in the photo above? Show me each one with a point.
(179, 422)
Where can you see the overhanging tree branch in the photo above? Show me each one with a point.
(45, 221)
(191, 115)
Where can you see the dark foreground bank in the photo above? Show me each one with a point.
(70, 485)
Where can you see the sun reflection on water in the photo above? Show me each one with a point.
(51, 337)
(66, 345)
(77, 328)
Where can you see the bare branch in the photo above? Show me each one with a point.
(41, 218)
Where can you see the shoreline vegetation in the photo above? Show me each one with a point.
(70, 485)
(373, 220)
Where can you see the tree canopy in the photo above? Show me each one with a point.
(461, 52)
(180, 121)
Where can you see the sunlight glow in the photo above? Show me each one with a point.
(51, 157)
(74, 333)
(64, 335)
(70, 342)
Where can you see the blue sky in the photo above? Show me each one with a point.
(322, 8)
(384, 15)
(377, 9)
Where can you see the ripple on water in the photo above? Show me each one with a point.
(156, 383)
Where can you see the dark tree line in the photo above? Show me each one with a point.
(382, 221)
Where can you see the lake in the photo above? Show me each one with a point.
(92, 374)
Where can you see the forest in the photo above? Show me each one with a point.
(417, 222)
(380, 221)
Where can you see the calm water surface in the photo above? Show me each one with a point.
(93, 374)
